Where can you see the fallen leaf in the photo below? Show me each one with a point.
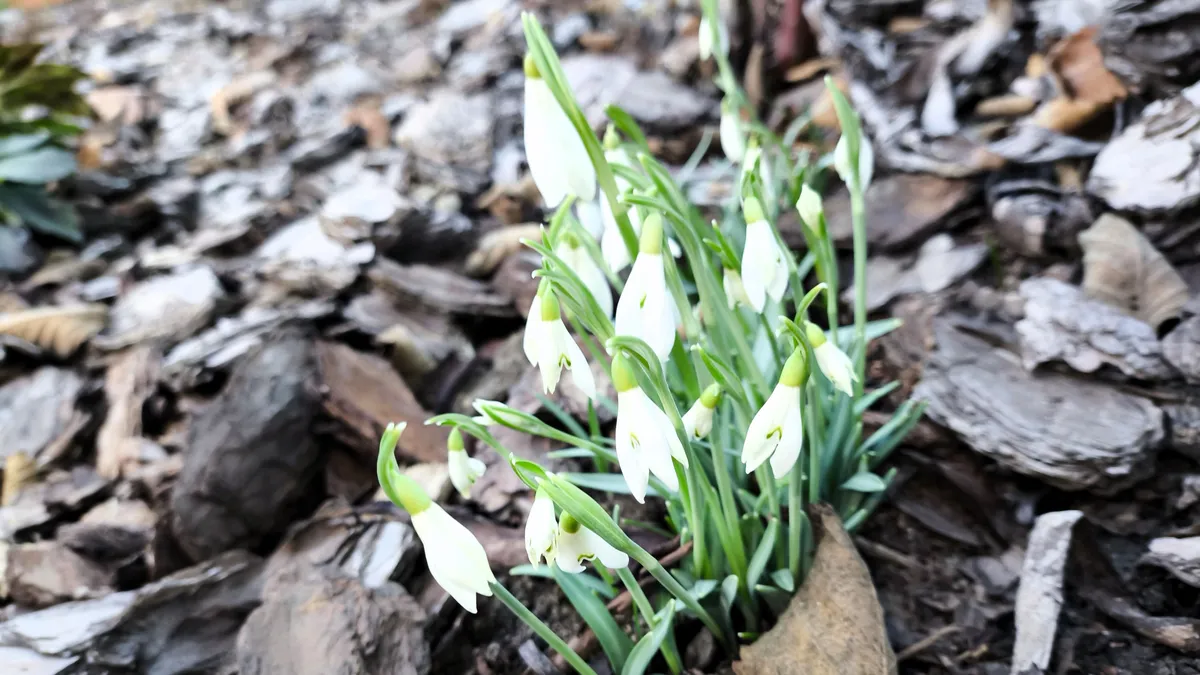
(497, 245)
(1079, 66)
(19, 470)
(1009, 105)
(834, 624)
(1121, 267)
(125, 105)
(59, 329)
(371, 120)
(238, 90)
(129, 382)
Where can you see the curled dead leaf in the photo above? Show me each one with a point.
(1121, 267)
(59, 329)
(373, 122)
(1009, 105)
(834, 623)
(19, 471)
(238, 90)
(1078, 65)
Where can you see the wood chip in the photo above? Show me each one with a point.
(47, 573)
(1122, 268)
(1040, 593)
(1180, 557)
(1073, 434)
(369, 118)
(19, 471)
(440, 289)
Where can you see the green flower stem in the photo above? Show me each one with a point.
(859, 219)
(556, 643)
(766, 479)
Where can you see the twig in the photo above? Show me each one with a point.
(887, 553)
(928, 641)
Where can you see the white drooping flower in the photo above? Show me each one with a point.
(580, 261)
(832, 361)
(454, 556)
(810, 209)
(764, 268)
(733, 137)
(698, 421)
(550, 348)
(541, 530)
(735, 290)
(866, 162)
(705, 38)
(777, 431)
(646, 309)
(612, 246)
(464, 469)
(557, 158)
(576, 544)
(645, 438)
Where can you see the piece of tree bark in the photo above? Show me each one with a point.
(1062, 324)
(130, 380)
(250, 454)
(1040, 593)
(364, 393)
(1072, 433)
(47, 573)
(36, 409)
(317, 621)
(440, 289)
(1179, 556)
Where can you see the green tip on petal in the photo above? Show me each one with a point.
(816, 336)
(622, 373)
(752, 211)
(455, 442)
(652, 233)
(568, 523)
(570, 239)
(531, 69)
(711, 396)
(795, 371)
(550, 309)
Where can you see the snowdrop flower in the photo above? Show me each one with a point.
(832, 361)
(646, 309)
(764, 268)
(549, 346)
(580, 261)
(733, 141)
(464, 469)
(612, 246)
(554, 151)
(646, 439)
(705, 38)
(757, 161)
(811, 210)
(541, 530)
(454, 556)
(777, 431)
(576, 544)
(866, 162)
(698, 420)
(735, 290)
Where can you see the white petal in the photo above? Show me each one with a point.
(836, 366)
(612, 246)
(791, 444)
(550, 354)
(658, 447)
(763, 434)
(590, 217)
(757, 272)
(454, 556)
(779, 280)
(733, 142)
(608, 555)
(532, 323)
(659, 319)
(464, 471)
(629, 455)
(630, 311)
(541, 531)
(581, 372)
(866, 162)
(573, 549)
(689, 420)
(593, 279)
(541, 152)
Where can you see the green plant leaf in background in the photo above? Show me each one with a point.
(29, 205)
(42, 165)
(615, 643)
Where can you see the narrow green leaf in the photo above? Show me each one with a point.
(642, 653)
(38, 210)
(613, 483)
(594, 584)
(762, 555)
(615, 643)
(864, 482)
(775, 598)
(627, 125)
(20, 143)
(783, 579)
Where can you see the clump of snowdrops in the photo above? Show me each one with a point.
(732, 406)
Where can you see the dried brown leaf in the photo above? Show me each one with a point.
(236, 91)
(834, 624)
(1009, 105)
(19, 470)
(1079, 66)
(371, 120)
(497, 245)
(59, 329)
(129, 382)
(124, 105)
(1065, 115)
(1121, 267)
